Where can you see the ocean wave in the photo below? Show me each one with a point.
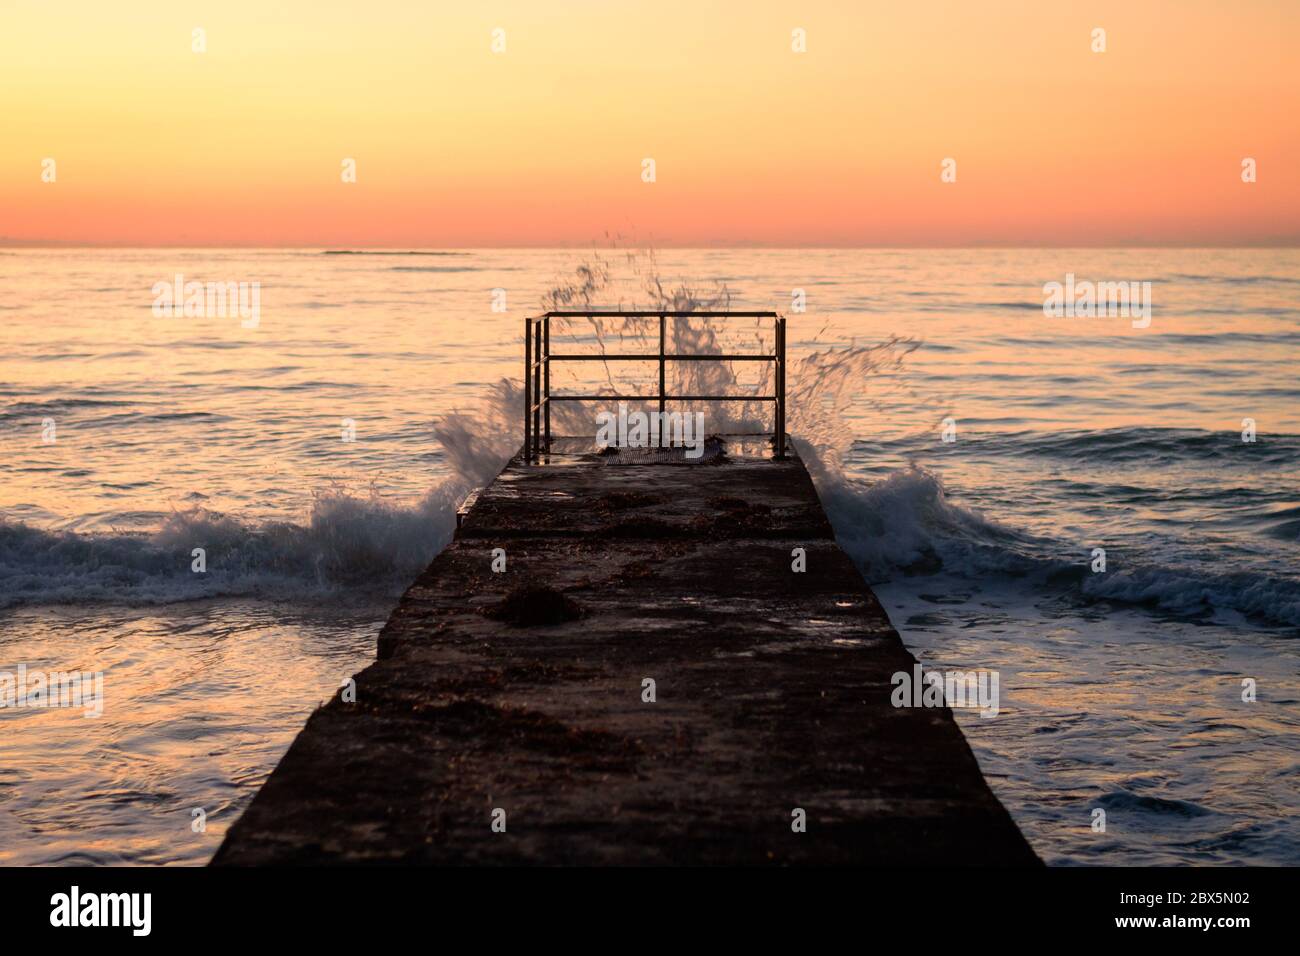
(1141, 443)
(906, 524)
(361, 545)
(356, 543)
(1224, 279)
(1126, 800)
(438, 269)
(1191, 593)
(1283, 525)
(902, 524)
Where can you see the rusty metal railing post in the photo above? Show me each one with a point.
(537, 389)
(546, 370)
(528, 388)
(780, 388)
(660, 427)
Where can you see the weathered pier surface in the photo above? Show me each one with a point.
(523, 691)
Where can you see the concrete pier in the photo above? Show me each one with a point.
(520, 696)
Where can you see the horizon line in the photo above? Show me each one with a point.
(8, 243)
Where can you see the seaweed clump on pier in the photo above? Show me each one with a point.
(535, 605)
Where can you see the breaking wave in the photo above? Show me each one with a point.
(903, 523)
(906, 524)
(346, 542)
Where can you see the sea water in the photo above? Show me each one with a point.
(218, 514)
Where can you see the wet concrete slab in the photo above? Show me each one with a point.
(521, 693)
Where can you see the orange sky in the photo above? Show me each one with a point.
(543, 144)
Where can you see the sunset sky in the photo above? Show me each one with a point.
(542, 144)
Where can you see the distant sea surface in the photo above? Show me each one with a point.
(129, 439)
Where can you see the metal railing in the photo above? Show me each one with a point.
(538, 358)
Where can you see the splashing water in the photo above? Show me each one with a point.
(823, 382)
(897, 519)
(368, 540)
(1120, 690)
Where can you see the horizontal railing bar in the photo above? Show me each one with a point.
(666, 398)
(655, 356)
(720, 398)
(653, 315)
